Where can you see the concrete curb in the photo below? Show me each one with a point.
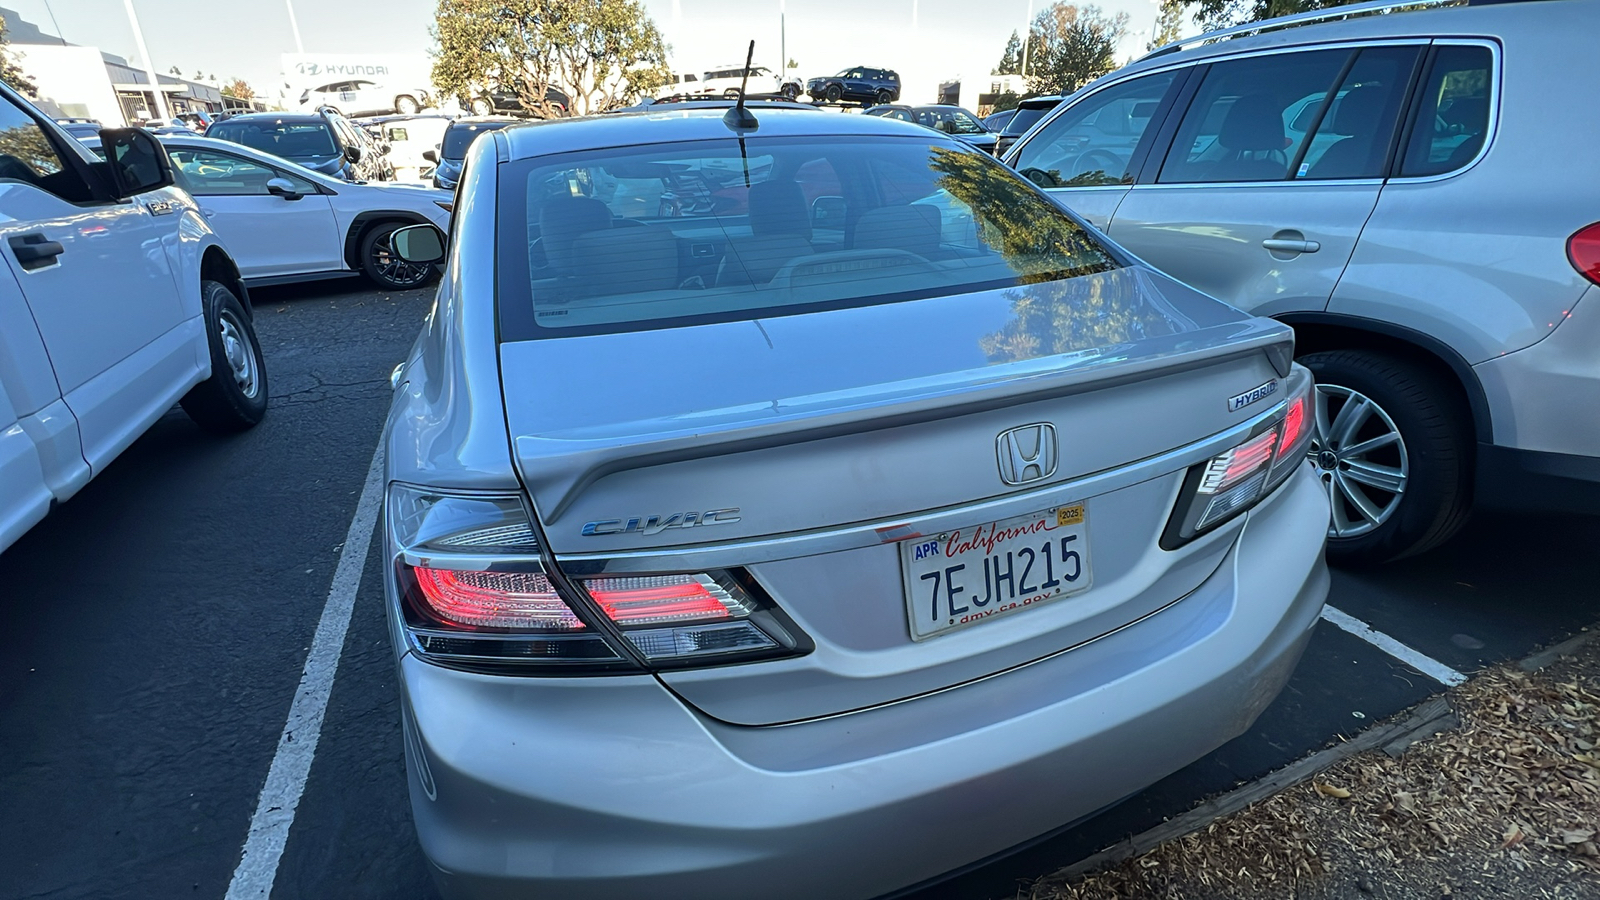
(1424, 720)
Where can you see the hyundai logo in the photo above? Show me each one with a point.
(1027, 453)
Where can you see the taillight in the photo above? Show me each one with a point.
(1583, 248)
(475, 590)
(1231, 482)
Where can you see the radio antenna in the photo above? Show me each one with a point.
(739, 117)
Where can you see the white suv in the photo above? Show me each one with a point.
(119, 302)
(361, 97)
(1411, 192)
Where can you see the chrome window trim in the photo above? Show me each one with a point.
(858, 535)
(1491, 130)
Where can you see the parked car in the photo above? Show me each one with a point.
(1027, 114)
(288, 223)
(996, 121)
(861, 84)
(364, 97)
(408, 139)
(726, 80)
(498, 101)
(196, 120)
(992, 530)
(323, 142)
(452, 151)
(1416, 228)
(120, 302)
(80, 127)
(952, 120)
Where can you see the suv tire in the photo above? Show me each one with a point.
(480, 106)
(380, 264)
(406, 105)
(1408, 428)
(885, 97)
(833, 94)
(234, 398)
(790, 92)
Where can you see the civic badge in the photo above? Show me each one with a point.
(1027, 454)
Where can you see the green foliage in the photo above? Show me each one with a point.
(10, 72)
(1005, 101)
(1011, 60)
(1215, 14)
(602, 53)
(239, 89)
(1070, 46)
(1170, 21)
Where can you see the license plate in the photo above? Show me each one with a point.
(967, 576)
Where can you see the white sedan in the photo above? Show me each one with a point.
(286, 223)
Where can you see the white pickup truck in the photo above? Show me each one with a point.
(116, 301)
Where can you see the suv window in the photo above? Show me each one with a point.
(1453, 119)
(28, 155)
(599, 241)
(1353, 138)
(1092, 142)
(1236, 127)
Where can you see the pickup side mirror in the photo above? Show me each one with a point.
(430, 156)
(283, 187)
(352, 153)
(420, 244)
(136, 160)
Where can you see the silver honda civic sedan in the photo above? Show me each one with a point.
(801, 505)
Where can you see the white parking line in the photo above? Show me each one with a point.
(286, 779)
(1427, 665)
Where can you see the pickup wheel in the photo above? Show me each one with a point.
(380, 263)
(234, 398)
(1393, 449)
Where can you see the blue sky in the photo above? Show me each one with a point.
(949, 38)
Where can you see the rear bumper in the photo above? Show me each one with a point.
(611, 787)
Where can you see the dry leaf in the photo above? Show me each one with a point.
(1568, 836)
(1512, 837)
(1328, 790)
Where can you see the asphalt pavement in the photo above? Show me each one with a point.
(159, 622)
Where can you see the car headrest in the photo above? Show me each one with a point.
(779, 207)
(914, 229)
(1359, 112)
(627, 260)
(562, 219)
(1470, 113)
(1253, 123)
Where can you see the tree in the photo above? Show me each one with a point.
(1069, 46)
(1169, 24)
(602, 53)
(793, 64)
(238, 89)
(1011, 60)
(1214, 14)
(1004, 101)
(10, 69)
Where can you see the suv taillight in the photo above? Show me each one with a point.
(1583, 248)
(1233, 481)
(475, 591)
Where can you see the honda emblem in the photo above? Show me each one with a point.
(1027, 453)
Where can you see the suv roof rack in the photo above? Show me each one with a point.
(1304, 18)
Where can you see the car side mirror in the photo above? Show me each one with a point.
(418, 243)
(430, 156)
(353, 153)
(136, 160)
(283, 187)
(827, 212)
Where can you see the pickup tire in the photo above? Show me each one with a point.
(1403, 450)
(234, 398)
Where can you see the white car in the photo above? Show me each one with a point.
(725, 82)
(118, 301)
(361, 97)
(287, 223)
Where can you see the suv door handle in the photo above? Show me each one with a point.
(33, 251)
(1290, 241)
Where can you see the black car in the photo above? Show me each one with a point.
(860, 84)
(453, 150)
(503, 102)
(1028, 112)
(80, 127)
(951, 120)
(322, 141)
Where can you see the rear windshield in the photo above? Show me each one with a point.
(1024, 119)
(674, 234)
(460, 135)
(291, 140)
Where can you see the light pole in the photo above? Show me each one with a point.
(294, 26)
(149, 67)
(1027, 35)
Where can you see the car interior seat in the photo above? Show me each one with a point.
(626, 260)
(1252, 133)
(562, 220)
(1359, 117)
(914, 229)
(780, 231)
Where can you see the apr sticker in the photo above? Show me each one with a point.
(1248, 397)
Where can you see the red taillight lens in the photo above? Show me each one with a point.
(1241, 462)
(665, 599)
(1294, 423)
(1583, 248)
(521, 600)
